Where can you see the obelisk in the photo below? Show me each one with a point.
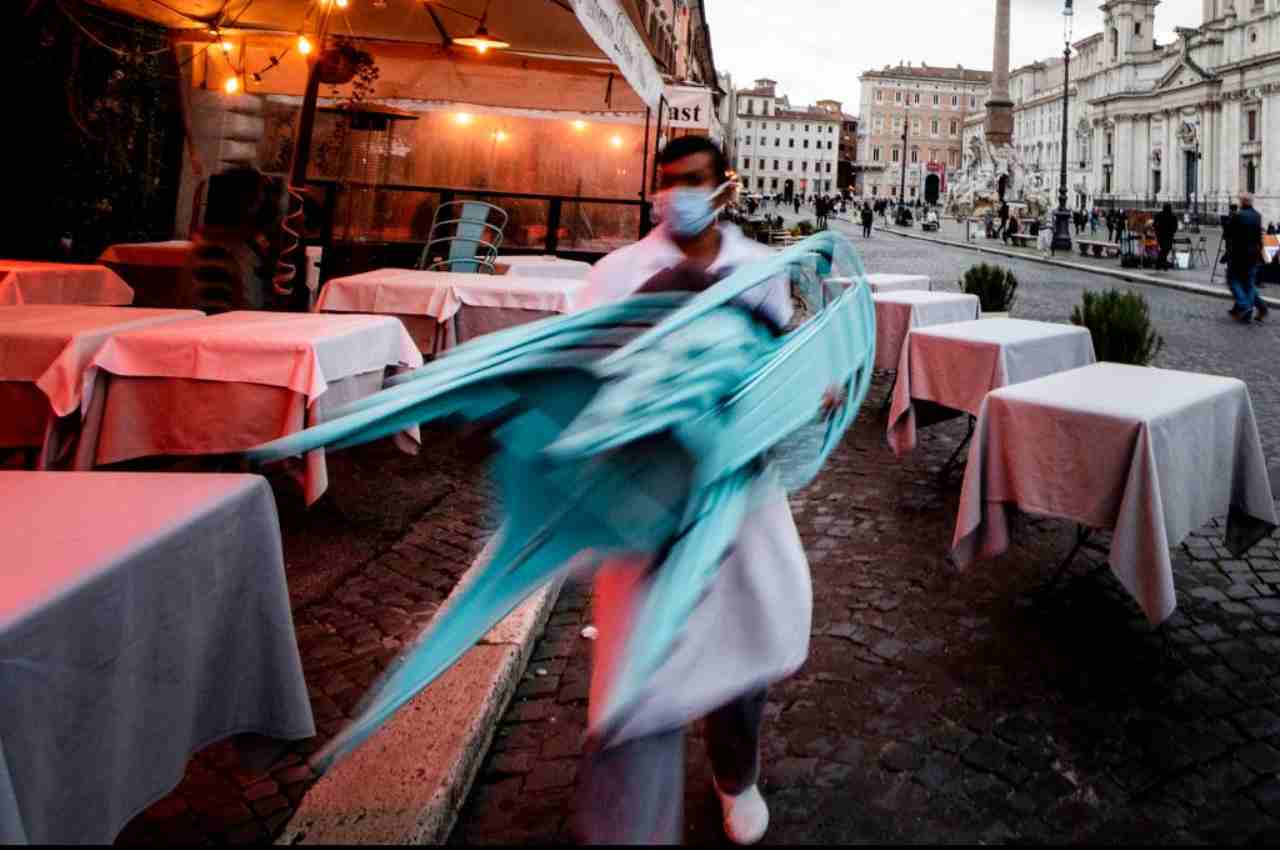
(1000, 108)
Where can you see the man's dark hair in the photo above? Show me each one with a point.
(679, 148)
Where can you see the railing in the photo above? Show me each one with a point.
(1202, 212)
(570, 226)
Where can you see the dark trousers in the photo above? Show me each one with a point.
(634, 793)
(866, 230)
(1166, 248)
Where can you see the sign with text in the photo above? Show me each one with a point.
(689, 107)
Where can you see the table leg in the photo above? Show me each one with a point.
(955, 455)
(888, 399)
(1083, 541)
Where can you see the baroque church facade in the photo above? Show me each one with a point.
(1193, 123)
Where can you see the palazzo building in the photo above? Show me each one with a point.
(1192, 123)
(935, 103)
(784, 150)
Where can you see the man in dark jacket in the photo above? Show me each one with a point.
(868, 218)
(1166, 224)
(1244, 255)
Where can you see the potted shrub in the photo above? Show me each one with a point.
(995, 287)
(1120, 324)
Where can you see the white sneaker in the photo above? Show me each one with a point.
(746, 815)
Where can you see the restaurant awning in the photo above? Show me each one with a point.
(584, 32)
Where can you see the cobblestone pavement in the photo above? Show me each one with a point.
(367, 568)
(938, 706)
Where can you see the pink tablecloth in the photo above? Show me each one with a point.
(440, 295)
(45, 351)
(956, 365)
(31, 282)
(897, 312)
(1149, 453)
(225, 383)
(175, 253)
(544, 265)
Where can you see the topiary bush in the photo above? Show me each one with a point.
(995, 287)
(1120, 323)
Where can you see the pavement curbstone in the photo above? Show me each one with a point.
(407, 783)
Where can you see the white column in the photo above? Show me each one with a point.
(1122, 173)
(1229, 156)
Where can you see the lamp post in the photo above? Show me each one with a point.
(1062, 216)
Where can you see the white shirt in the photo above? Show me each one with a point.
(626, 270)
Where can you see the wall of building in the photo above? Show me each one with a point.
(779, 147)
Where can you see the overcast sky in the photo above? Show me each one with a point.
(816, 49)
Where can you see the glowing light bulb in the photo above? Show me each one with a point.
(304, 45)
(482, 48)
(463, 118)
(616, 141)
(500, 136)
(341, 4)
(232, 85)
(579, 125)
(228, 46)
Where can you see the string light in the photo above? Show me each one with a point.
(499, 136)
(579, 125)
(228, 45)
(616, 141)
(464, 118)
(304, 45)
(232, 85)
(341, 4)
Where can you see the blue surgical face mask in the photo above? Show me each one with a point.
(688, 210)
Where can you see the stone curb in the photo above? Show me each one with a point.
(407, 783)
(1118, 274)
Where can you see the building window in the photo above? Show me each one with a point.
(806, 143)
(762, 166)
(875, 190)
(791, 165)
(897, 97)
(973, 101)
(828, 183)
(1137, 27)
(830, 146)
(879, 96)
(1251, 175)
(1155, 182)
(791, 143)
(1110, 138)
(875, 154)
(829, 171)
(764, 140)
(915, 156)
(1253, 126)
(917, 97)
(748, 125)
(773, 184)
(936, 100)
(954, 160)
(896, 154)
(955, 100)
(955, 127)
(933, 127)
(915, 126)
(1106, 179)
(777, 143)
(1115, 44)
(751, 107)
(775, 165)
(806, 128)
(748, 140)
(760, 183)
(804, 166)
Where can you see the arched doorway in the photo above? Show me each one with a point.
(932, 184)
(789, 190)
(1002, 185)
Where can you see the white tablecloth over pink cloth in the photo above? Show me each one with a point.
(33, 282)
(440, 295)
(52, 345)
(300, 351)
(1149, 453)
(544, 265)
(956, 365)
(142, 617)
(897, 312)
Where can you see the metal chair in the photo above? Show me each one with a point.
(472, 230)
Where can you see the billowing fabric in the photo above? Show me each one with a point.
(637, 427)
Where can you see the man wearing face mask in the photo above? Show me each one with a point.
(752, 627)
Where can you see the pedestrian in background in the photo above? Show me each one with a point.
(1244, 255)
(1166, 224)
(868, 218)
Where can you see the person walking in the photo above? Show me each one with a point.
(1244, 255)
(1166, 224)
(1004, 221)
(751, 629)
(868, 218)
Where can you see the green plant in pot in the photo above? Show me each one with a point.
(995, 287)
(1120, 324)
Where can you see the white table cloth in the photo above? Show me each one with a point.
(45, 352)
(899, 282)
(956, 365)
(545, 265)
(32, 282)
(436, 298)
(1149, 453)
(228, 382)
(146, 617)
(898, 312)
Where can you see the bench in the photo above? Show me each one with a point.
(1099, 248)
(1024, 240)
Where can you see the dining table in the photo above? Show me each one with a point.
(157, 271)
(543, 265)
(1149, 455)
(221, 384)
(39, 282)
(143, 616)
(954, 366)
(45, 351)
(899, 311)
(444, 309)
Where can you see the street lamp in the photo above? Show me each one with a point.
(1062, 216)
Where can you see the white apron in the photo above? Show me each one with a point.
(752, 628)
